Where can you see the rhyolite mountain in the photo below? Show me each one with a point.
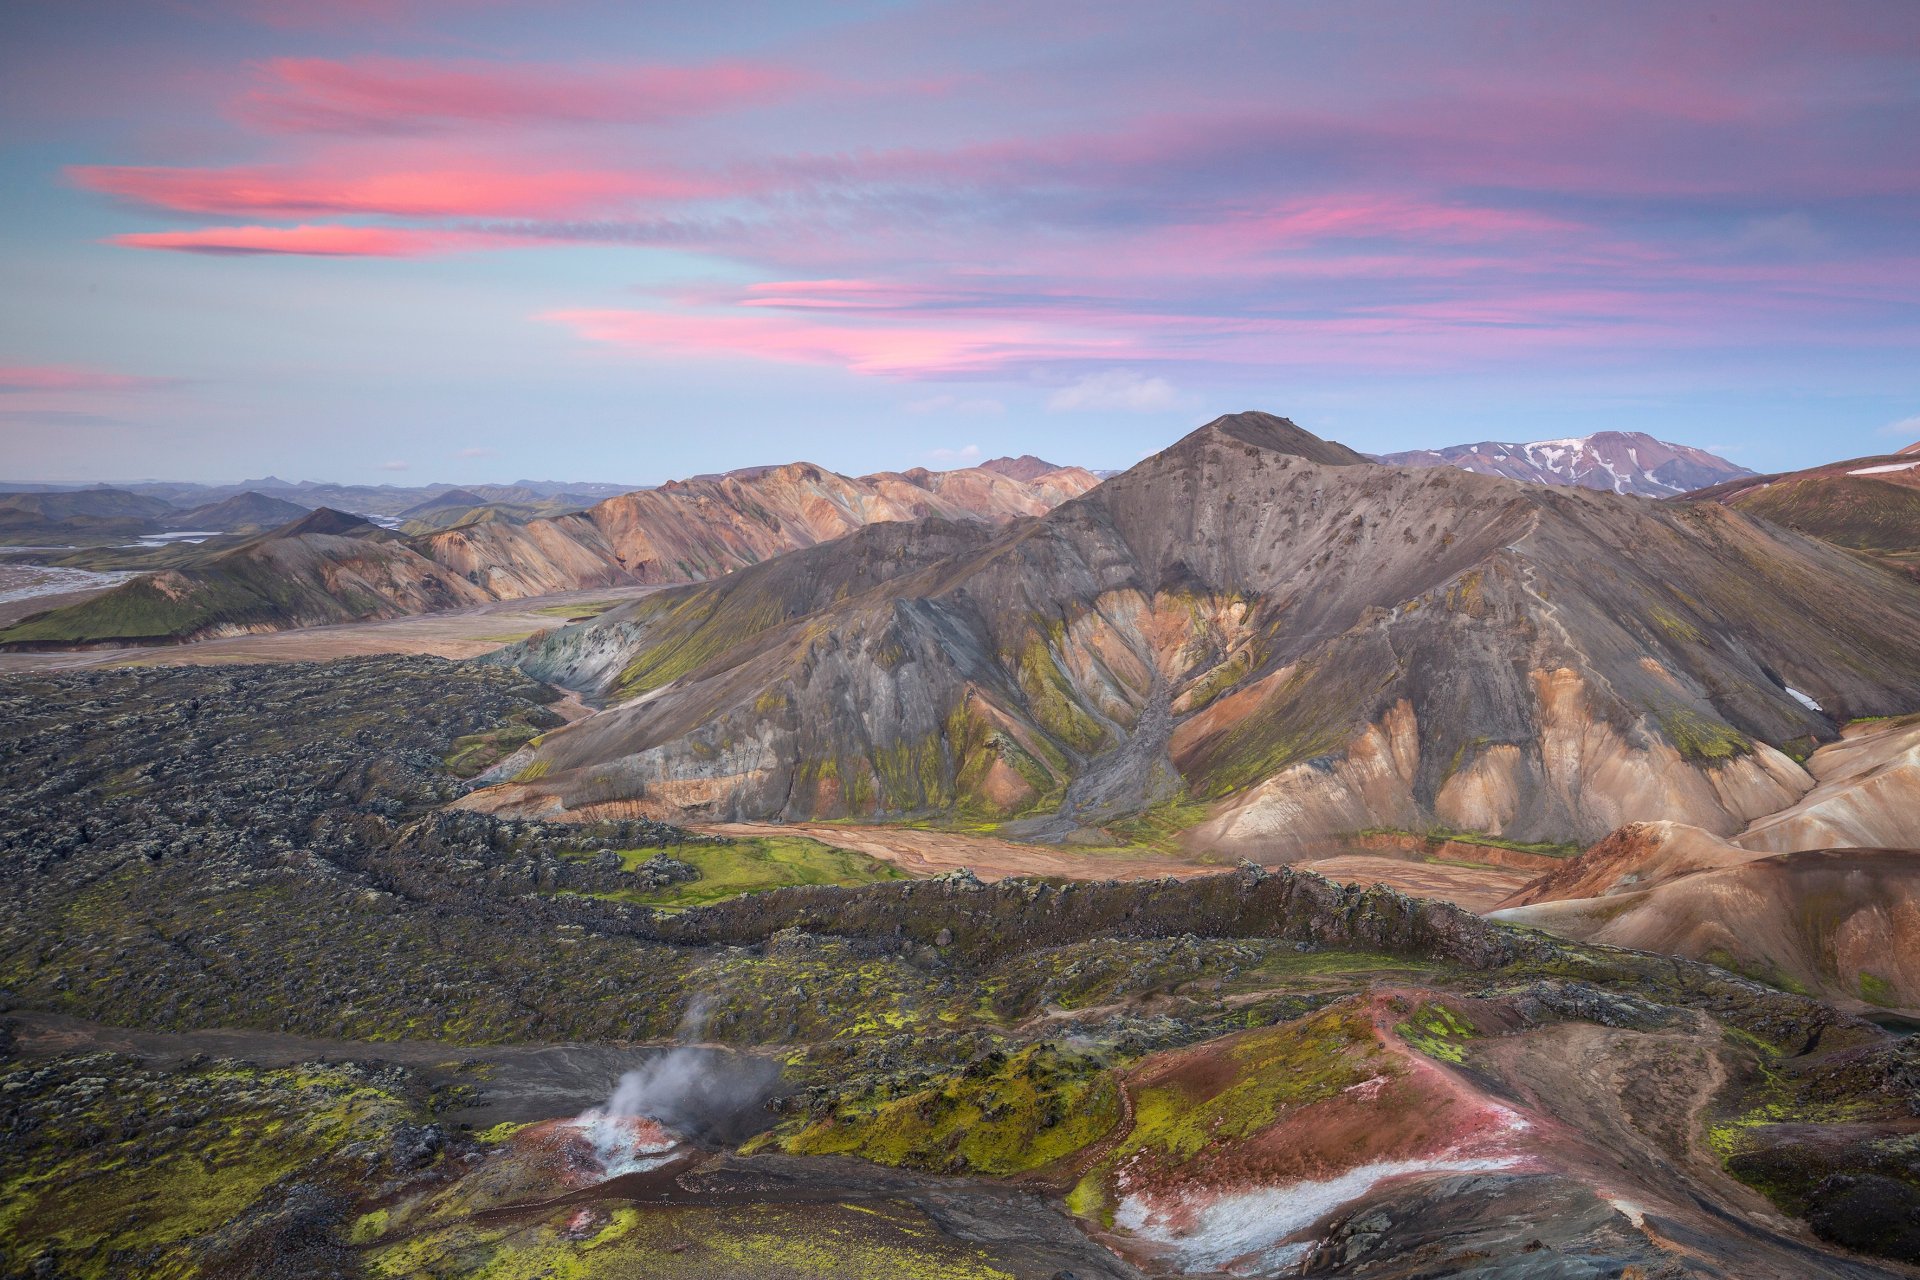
(1265, 633)
(1619, 461)
(1871, 505)
(682, 531)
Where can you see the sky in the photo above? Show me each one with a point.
(416, 241)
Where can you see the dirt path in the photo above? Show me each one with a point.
(465, 633)
(924, 853)
(1475, 888)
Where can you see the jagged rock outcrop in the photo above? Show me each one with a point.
(1340, 645)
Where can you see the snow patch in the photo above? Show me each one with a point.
(1245, 1233)
(1804, 700)
(1882, 470)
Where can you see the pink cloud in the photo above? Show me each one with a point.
(279, 191)
(896, 349)
(406, 95)
(66, 377)
(308, 241)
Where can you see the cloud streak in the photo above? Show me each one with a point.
(385, 96)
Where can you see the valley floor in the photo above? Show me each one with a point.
(463, 633)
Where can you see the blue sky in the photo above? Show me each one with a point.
(458, 240)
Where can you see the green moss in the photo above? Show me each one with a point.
(1003, 1114)
(1205, 691)
(1262, 1075)
(756, 863)
(1051, 701)
(1676, 626)
(107, 1179)
(1437, 1031)
(1700, 738)
(1875, 989)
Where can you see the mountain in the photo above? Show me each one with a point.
(687, 530)
(244, 512)
(84, 502)
(62, 516)
(1620, 461)
(682, 531)
(1025, 467)
(450, 498)
(1269, 637)
(1870, 505)
(328, 566)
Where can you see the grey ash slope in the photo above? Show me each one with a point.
(1315, 643)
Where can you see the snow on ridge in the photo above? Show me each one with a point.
(1882, 470)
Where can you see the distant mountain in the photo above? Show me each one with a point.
(59, 505)
(1025, 467)
(328, 566)
(687, 530)
(1619, 461)
(683, 531)
(239, 514)
(439, 501)
(1262, 636)
(64, 516)
(1866, 504)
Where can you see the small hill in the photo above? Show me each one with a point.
(1618, 461)
(1843, 924)
(242, 513)
(461, 498)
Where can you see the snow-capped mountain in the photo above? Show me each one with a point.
(1623, 461)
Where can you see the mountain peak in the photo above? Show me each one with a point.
(1026, 468)
(326, 520)
(1279, 435)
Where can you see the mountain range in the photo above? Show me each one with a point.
(334, 567)
(1257, 635)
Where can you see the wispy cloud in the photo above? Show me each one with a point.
(965, 456)
(288, 191)
(378, 95)
(478, 451)
(66, 377)
(305, 241)
(1904, 429)
(396, 465)
(1118, 391)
